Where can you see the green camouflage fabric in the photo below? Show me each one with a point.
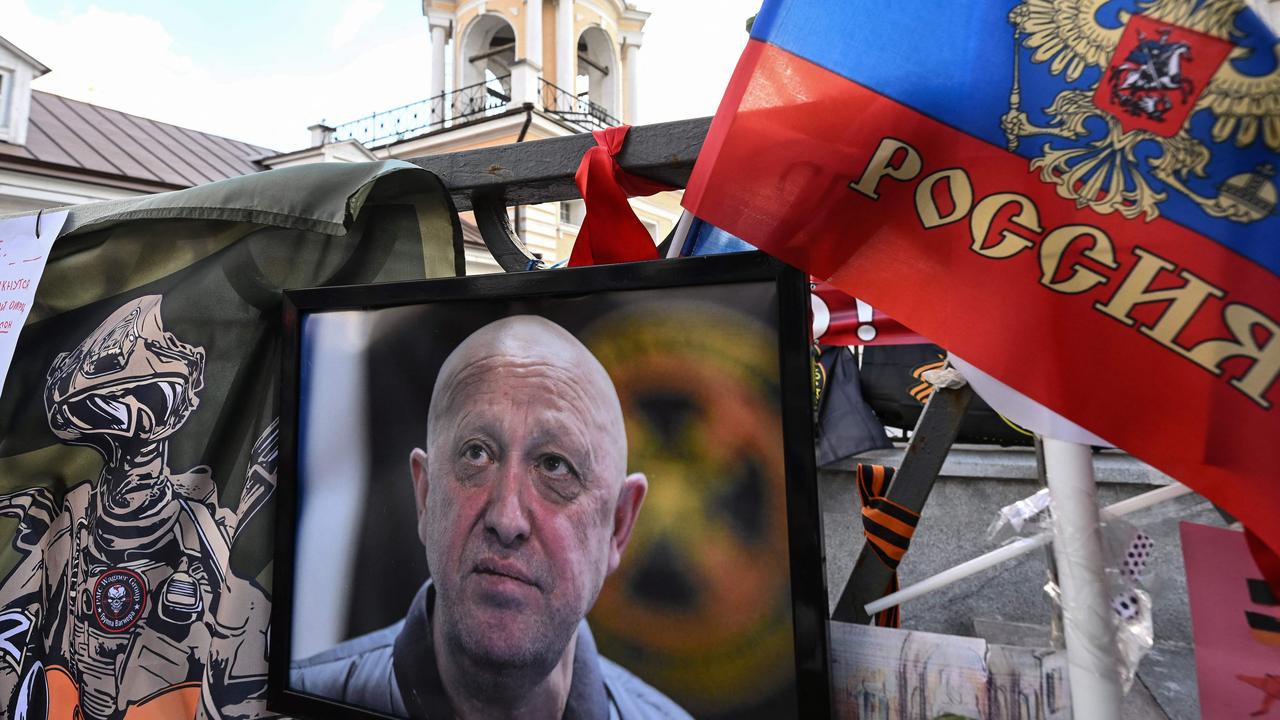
(138, 429)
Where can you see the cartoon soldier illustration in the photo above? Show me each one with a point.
(123, 606)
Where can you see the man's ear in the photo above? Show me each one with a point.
(631, 497)
(418, 469)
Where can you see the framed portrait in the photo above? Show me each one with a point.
(579, 493)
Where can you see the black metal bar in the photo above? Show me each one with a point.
(495, 51)
(506, 248)
(1056, 628)
(528, 120)
(573, 109)
(600, 68)
(434, 113)
(542, 171)
(935, 432)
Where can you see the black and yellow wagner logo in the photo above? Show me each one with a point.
(700, 606)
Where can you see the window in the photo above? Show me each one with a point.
(1052, 681)
(572, 212)
(6, 85)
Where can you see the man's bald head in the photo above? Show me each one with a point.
(524, 344)
(524, 504)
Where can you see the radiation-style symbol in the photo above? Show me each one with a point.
(700, 605)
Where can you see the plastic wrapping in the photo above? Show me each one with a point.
(1037, 534)
(1089, 624)
(1026, 514)
(1126, 555)
(1129, 576)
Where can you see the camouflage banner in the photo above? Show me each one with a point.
(138, 432)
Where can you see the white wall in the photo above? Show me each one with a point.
(17, 98)
(25, 192)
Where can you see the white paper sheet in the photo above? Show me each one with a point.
(23, 252)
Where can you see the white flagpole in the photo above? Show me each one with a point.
(1089, 622)
(1017, 548)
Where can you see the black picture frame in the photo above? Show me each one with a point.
(804, 519)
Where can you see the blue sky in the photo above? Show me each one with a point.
(263, 70)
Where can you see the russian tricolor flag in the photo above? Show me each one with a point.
(1077, 196)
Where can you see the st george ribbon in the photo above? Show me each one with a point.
(1077, 196)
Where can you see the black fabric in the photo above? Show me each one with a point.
(893, 387)
(414, 660)
(846, 424)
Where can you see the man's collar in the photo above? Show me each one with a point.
(418, 674)
(414, 662)
(587, 697)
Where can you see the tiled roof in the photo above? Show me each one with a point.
(78, 137)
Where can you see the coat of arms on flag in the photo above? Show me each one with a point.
(1152, 70)
(1079, 197)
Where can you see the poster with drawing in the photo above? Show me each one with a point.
(1235, 619)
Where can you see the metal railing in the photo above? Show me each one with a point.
(490, 180)
(459, 107)
(573, 109)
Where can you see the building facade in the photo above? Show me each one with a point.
(506, 71)
(503, 71)
(55, 151)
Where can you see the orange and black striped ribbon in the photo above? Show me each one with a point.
(1264, 628)
(887, 525)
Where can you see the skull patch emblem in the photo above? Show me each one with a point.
(119, 597)
(115, 599)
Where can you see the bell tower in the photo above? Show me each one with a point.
(509, 71)
(575, 59)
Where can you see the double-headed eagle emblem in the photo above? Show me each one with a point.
(1157, 70)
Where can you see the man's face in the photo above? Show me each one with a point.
(523, 506)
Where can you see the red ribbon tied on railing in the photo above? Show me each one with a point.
(611, 232)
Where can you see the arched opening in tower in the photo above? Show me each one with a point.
(598, 76)
(488, 51)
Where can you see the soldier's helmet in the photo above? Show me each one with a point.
(129, 380)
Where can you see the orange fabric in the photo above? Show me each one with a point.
(887, 548)
(882, 518)
(63, 694)
(887, 526)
